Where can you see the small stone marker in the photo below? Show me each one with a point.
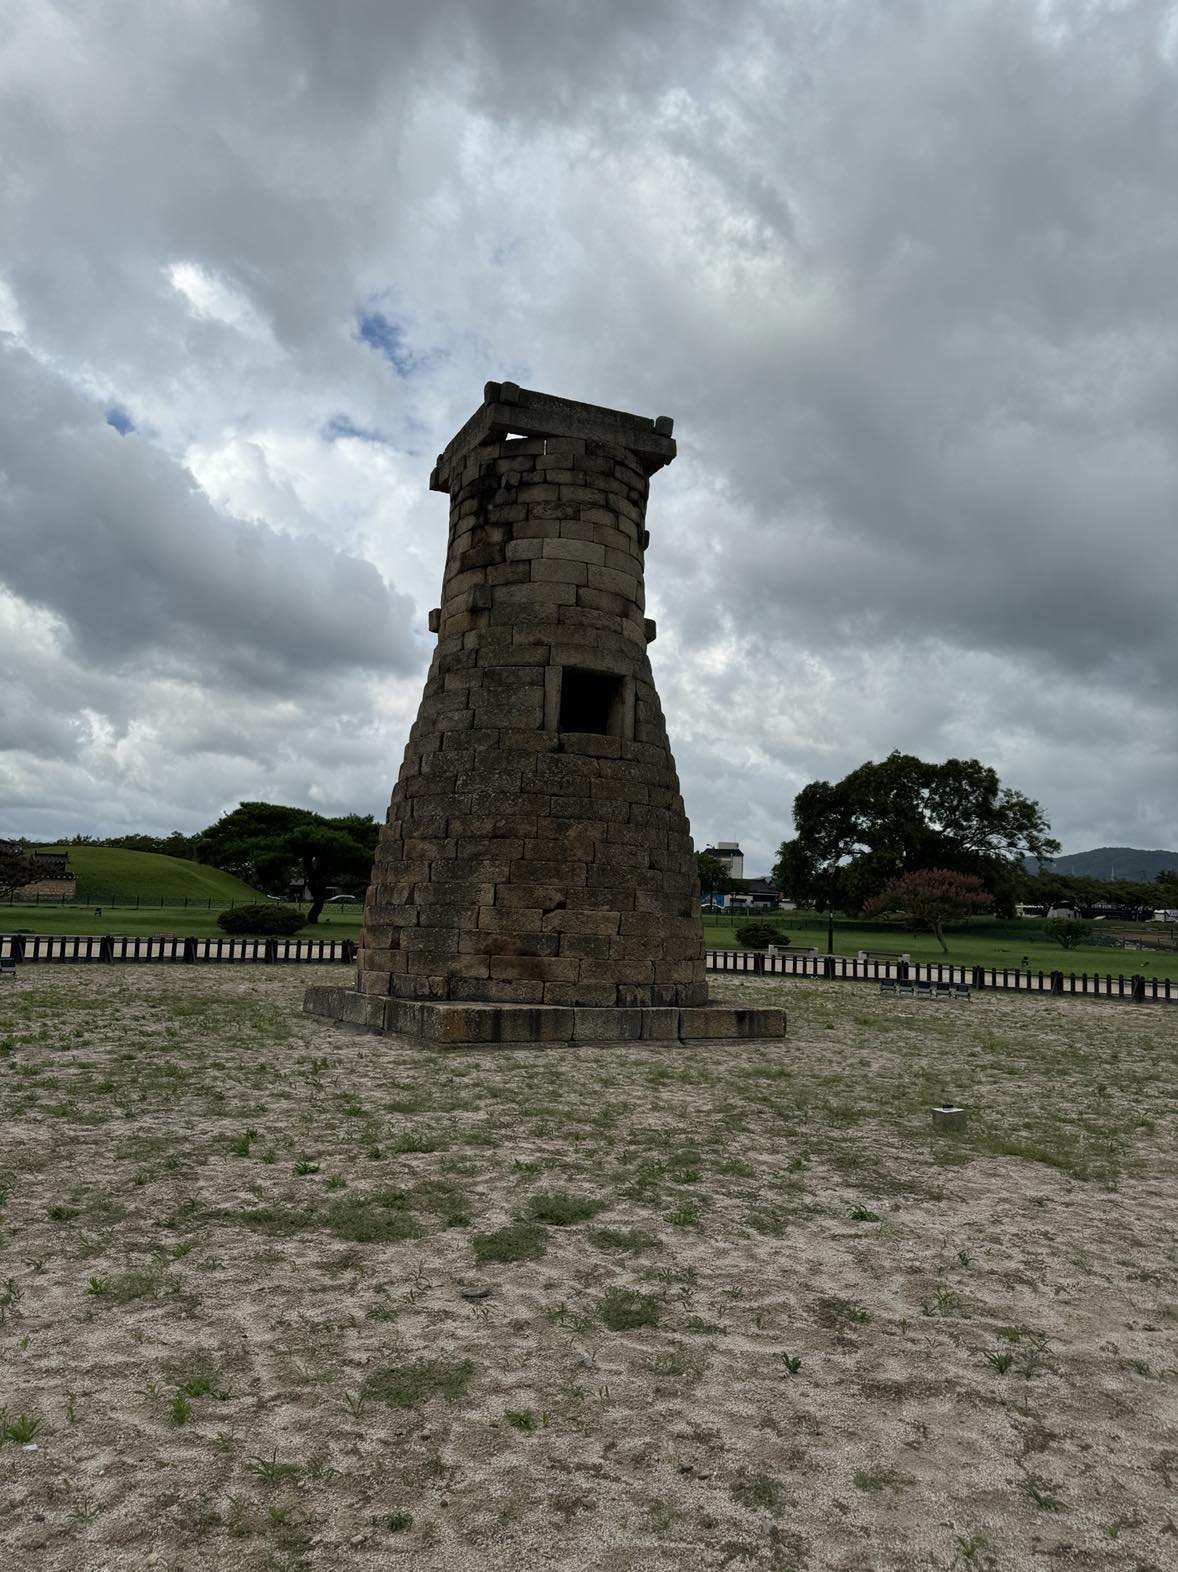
(949, 1117)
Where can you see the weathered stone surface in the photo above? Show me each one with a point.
(479, 1023)
(536, 866)
(721, 1021)
(342, 1004)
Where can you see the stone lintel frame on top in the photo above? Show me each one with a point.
(508, 410)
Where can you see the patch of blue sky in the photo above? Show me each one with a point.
(387, 337)
(341, 426)
(118, 417)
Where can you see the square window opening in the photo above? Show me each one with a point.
(593, 701)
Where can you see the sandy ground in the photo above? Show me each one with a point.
(243, 1320)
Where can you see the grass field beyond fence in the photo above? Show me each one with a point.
(110, 873)
(1000, 944)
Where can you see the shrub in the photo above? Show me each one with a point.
(265, 922)
(758, 934)
(1067, 931)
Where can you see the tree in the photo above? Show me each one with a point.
(268, 845)
(174, 845)
(933, 897)
(902, 815)
(1067, 932)
(714, 878)
(16, 868)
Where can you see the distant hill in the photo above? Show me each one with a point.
(110, 873)
(1112, 862)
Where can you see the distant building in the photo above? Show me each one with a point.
(50, 871)
(757, 895)
(730, 854)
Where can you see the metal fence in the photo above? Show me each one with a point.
(1091, 985)
(115, 947)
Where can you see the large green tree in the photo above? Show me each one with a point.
(268, 846)
(898, 816)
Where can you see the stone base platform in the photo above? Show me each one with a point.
(448, 1025)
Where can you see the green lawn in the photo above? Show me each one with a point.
(109, 873)
(337, 922)
(994, 944)
(1001, 944)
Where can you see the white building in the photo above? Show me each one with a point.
(730, 854)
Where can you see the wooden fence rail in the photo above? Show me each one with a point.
(118, 947)
(24, 947)
(758, 963)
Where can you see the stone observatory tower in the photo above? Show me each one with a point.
(535, 880)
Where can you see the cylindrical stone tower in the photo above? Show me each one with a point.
(535, 878)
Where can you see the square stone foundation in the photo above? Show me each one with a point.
(446, 1025)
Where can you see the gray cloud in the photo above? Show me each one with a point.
(114, 538)
(903, 274)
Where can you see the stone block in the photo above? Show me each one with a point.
(607, 1024)
(514, 919)
(346, 1005)
(660, 1024)
(608, 603)
(588, 924)
(559, 571)
(583, 551)
(723, 1021)
(544, 968)
(597, 993)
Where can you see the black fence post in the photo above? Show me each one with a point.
(190, 951)
(1137, 989)
(1056, 982)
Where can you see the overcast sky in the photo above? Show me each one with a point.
(904, 273)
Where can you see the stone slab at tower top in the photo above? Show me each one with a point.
(535, 877)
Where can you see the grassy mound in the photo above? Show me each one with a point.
(108, 873)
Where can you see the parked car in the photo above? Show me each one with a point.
(332, 899)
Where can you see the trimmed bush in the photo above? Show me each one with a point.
(264, 922)
(758, 934)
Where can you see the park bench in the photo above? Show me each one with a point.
(941, 990)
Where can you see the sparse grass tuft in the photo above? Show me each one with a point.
(411, 1384)
(515, 1242)
(626, 1309)
(559, 1209)
(759, 1493)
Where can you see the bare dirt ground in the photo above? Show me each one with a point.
(274, 1295)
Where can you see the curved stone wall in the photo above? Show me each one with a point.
(536, 849)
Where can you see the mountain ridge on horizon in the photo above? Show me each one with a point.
(1110, 862)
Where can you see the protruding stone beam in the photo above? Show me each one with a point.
(509, 410)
